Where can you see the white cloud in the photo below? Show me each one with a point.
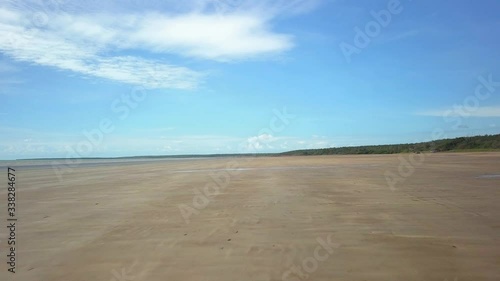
(50, 48)
(260, 142)
(208, 36)
(27, 143)
(89, 44)
(271, 8)
(483, 111)
(269, 143)
(205, 36)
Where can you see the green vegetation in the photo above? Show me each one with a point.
(462, 144)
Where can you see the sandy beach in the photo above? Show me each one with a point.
(259, 219)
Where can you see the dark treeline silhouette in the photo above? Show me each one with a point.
(476, 143)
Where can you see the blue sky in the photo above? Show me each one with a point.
(85, 78)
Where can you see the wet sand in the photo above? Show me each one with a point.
(277, 218)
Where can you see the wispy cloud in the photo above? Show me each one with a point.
(7, 68)
(483, 111)
(63, 51)
(25, 143)
(89, 44)
(270, 143)
(403, 35)
(10, 81)
(271, 8)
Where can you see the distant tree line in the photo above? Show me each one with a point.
(476, 143)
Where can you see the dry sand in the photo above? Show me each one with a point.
(328, 217)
